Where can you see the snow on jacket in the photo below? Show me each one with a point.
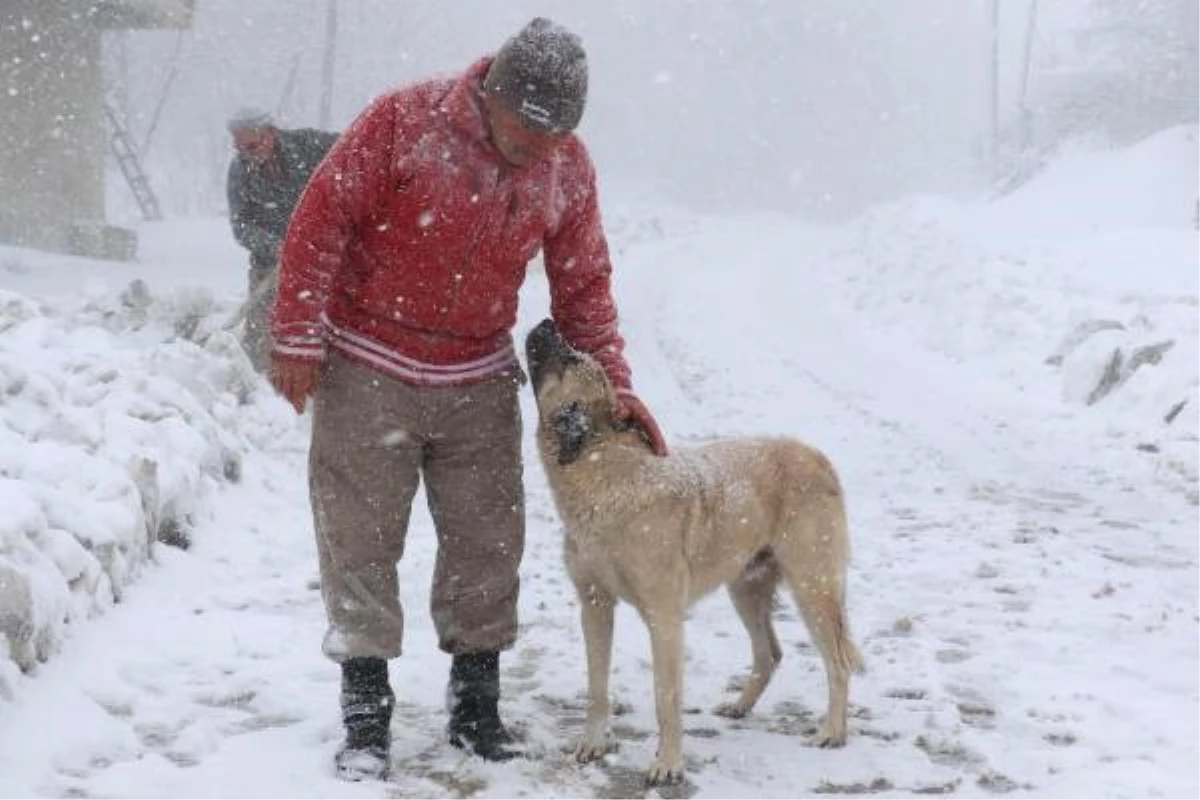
(262, 196)
(410, 244)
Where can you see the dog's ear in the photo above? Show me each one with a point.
(572, 426)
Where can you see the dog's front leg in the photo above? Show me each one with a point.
(666, 643)
(596, 612)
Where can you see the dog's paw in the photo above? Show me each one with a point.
(830, 735)
(591, 748)
(664, 772)
(731, 710)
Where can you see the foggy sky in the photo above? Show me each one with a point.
(818, 107)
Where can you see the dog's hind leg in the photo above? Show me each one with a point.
(821, 599)
(596, 613)
(666, 644)
(753, 595)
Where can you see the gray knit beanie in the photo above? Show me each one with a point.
(541, 73)
(250, 118)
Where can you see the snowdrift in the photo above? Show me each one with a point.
(1079, 289)
(119, 417)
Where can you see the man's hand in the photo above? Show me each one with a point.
(295, 378)
(632, 409)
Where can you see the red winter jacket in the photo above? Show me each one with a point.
(409, 245)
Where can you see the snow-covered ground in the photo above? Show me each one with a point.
(1024, 582)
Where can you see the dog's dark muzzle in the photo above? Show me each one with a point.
(547, 352)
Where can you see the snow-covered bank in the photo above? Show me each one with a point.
(121, 414)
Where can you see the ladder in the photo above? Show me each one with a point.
(131, 166)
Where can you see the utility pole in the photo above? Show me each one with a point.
(327, 62)
(1027, 67)
(1027, 52)
(993, 134)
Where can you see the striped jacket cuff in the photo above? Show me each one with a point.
(306, 347)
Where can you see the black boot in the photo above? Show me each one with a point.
(474, 696)
(367, 703)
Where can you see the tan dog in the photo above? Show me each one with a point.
(660, 533)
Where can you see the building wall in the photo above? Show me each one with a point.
(53, 131)
(53, 136)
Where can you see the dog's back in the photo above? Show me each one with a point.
(721, 503)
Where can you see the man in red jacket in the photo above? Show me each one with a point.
(397, 299)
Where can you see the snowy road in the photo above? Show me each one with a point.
(1024, 591)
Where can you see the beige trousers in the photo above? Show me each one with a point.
(374, 439)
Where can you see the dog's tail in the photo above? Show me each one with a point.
(843, 651)
(825, 613)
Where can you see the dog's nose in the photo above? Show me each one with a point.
(546, 351)
(544, 331)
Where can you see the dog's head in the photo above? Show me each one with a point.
(576, 403)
